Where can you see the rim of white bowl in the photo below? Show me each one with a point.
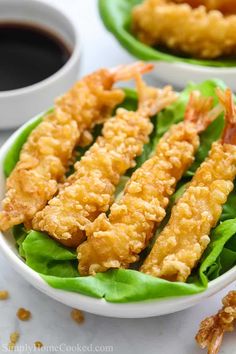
(76, 53)
(207, 69)
(138, 309)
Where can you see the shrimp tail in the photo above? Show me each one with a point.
(128, 72)
(227, 101)
(200, 112)
(152, 100)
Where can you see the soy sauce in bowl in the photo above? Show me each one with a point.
(29, 55)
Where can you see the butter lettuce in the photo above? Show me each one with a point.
(58, 265)
(12, 155)
(116, 16)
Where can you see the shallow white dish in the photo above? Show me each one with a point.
(99, 306)
(17, 106)
(180, 74)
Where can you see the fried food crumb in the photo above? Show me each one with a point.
(23, 314)
(14, 337)
(11, 346)
(4, 295)
(38, 344)
(77, 316)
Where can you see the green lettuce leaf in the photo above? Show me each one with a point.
(58, 264)
(229, 208)
(219, 237)
(116, 16)
(47, 256)
(58, 267)
(12, 155)
(20, 233)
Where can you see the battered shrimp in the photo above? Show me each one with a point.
(212, 329)
(203, 34)
(182, 242)
(89, 191)
(45, 156)
(116, 241)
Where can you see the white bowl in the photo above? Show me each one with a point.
(99, 306)
(180, 74)
(17, 106)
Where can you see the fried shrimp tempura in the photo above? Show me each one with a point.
(45, 156)
(116, 241)
(182, 242)
(89, 191)
(181, 28)
(212, 329)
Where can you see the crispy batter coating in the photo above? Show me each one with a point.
(116, 241)
(203, 34)
(42, 163)
(89, 191)
(48, 150)
(212, 329)
(225, 6)
(180, 245)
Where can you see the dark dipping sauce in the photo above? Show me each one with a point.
(28, 55)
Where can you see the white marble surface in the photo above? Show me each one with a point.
(51, 322)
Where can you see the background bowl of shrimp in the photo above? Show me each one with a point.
(100, 306)
(203, 61)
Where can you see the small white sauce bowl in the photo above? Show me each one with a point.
(180, 74)
(99, 306)
(17, 106)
